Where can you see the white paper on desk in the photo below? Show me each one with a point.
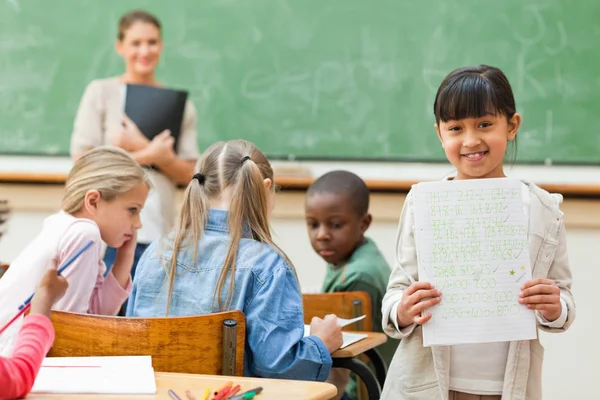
(96, 375)
(347, 337)
(472, 244)
(344, 322)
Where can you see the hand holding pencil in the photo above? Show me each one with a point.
(51, 289)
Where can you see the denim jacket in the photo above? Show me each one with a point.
(422, 373)
(266, 291)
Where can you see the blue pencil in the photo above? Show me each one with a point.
(61, 269)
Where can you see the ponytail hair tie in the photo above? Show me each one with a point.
(245, 158)
(200, 178)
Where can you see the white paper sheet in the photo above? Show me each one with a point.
(347, 337)
(472, 244)
(344, 322)
(96, 375)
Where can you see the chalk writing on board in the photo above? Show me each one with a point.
(15, 4)
(472, 245)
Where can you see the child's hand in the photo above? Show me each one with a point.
(542, 295)
(121, 269)
(127, 250)
(328, 330)
(417, 298)
(51, 288)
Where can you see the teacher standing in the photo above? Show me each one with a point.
(100, 120)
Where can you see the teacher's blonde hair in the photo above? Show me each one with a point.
(108, 169)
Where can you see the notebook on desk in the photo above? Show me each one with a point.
(154, 109)
(347, 337)
(96, 375)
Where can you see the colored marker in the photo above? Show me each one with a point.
(173, 395)
(225, 386)
(234, 391)
(247, 394)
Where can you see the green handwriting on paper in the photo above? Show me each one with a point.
(449, 196)
(480, 297)
(445, 229)
(473, 283)
(480, 312)
(472, 238)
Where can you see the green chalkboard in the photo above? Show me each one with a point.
(329, 79)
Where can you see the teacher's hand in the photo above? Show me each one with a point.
(130, 137)
(160, 150)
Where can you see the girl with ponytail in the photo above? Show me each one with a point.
(221, 257)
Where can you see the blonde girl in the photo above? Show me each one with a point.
(104, 194)
(476, 121)
(221, 256)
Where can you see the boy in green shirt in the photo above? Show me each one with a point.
(337, 217)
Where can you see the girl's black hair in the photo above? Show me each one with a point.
(473, 92)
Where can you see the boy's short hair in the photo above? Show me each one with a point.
(344, 183)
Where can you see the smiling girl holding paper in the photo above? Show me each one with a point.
(476, 120)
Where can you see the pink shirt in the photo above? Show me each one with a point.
(17, 373)
(62, 235)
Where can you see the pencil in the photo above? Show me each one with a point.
(206, 394)
(21, 312)
(61, 269)
(27, 303)
(189, 395)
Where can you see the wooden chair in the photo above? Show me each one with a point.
(207, 344)
(342, 304)
(3, 269)
(347, 305)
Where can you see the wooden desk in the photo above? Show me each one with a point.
(373, 340)
(273, 389)
(348, 358)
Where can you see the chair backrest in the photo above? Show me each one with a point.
(207, 344)
(342, 304)
(3, 269)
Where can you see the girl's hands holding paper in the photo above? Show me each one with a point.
(417, 298)
(542, 295)
(51, 289)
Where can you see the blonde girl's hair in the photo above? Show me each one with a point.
(108, 169)
(241, 165)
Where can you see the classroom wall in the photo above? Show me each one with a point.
(570, 358)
